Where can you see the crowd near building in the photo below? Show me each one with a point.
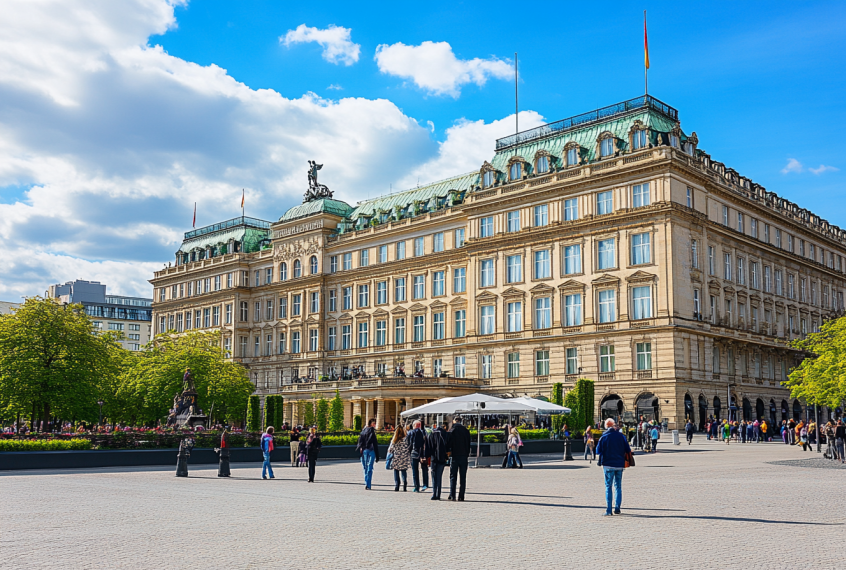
(606, 246)
(130, 316)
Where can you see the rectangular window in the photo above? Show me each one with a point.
(694, 253)
(362, 335)
(268, 310)
(640, 195)
(268, 276)
(399, 331)
(400, 250)
(607, 306)
(243, 346)
(778, 238)
(418, 247)
(312, 340)
(571, 209)
(487, 273)
(767, 233)
(641, 251)
(513, 269)
(573, 310)
(740, 222)
(644, 355)
(572, 259)
(689, 197)
(606, 147)
(256, 346)
(515, 317)
(347, 261)
(512, 220)
(606, 255)
(419, 287)
(513, 365)
(606, 358)
(228, 281)
(333, 264)
(363, 296)
(333, 339)
(753, 226)
(572, 361)
(364, 258)
(790, 243)
(216, 316)
(460, 323)
(642, 302)
(543, 313)
(383, 254)
(295, 342)
(727, 266)
(228, 313)
(487, 365)
(791, 292)
(604, 203)
(710, 260)
(381, 292)
(399, 289)
(487, 325)
(779, 290)
(753, 267)
(542, 264)
(438, 281)
(419, 328)
(741, 274)
(346, 337)
(438, 242)
(572, 157)
(314, 302)
(486, 227)
(244, 312)
(460, 366)
(725, 216)
(256, 312)
(296, 305)
(198, 320)
(438, 326)
(541, 215)
(459, 237)
(346, 294)
(728, 312)
(333, 300)
(767, 279)
(381, 333)
(459, 280)
(542, 363)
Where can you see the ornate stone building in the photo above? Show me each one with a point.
(605, 246)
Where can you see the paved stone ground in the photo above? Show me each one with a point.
(706, 506)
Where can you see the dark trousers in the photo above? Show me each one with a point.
(437, 479)
(458, 473)
(415, 465)
(400, 473)
(312, 464)
(689, 436)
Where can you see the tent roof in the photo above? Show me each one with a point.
(464, 404)
(543, 407)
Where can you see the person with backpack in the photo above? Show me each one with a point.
(419, 458)
(267, 449)
(459, 448)
(313, 445)
(438, 449)
(688, 431)
(368, 448)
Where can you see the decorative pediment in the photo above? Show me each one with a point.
(417, 308)
(541, 289)
(438, 305)
(380, 313)
(513, 292)
(542, 152)
(572, 285)
(754, 298)
(485, 296)
(458, 302)
(362, 315)
(313, 318)
(714, 285)
(516, 158)
(728, 290)
(640, 276)
(487, 166)
(295, 323)
(572, 145)
(399, 311)
(345, 317)
(606, 279)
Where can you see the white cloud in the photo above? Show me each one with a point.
(823, 168)
(335, 41)
(433, 66)
(793, 165)
(335, 87)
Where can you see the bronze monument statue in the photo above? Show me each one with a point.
(315, 190)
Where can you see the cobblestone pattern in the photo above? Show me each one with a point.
(814, 463)
(705, 506)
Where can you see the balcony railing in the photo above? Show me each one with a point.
(603, 114)
(234, 222)
(391, 381)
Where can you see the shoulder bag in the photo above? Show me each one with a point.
(629, 460)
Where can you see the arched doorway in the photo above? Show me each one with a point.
(718, 408)
(611, 407)
(797, 410)
(784, 410)
(773, 420)
(647, 407)
(747, 410)
(732, 415)
(688, 409)
(759, 409)
(703, 412)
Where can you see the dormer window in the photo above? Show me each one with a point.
(542, 165)
(639, 139)
(516, 171)
(606, 147)
(489, 178)
(674, 140)
(572, 157)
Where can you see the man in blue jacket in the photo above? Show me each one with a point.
(611, 451)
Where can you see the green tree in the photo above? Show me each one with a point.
(51, 363)
(322, 414)
(336, 413)
(585, 390)
(307, 413)
(273, 410)
(557, 397)
(357, 423)
(254, 414)
(574, 418)
(821, 377)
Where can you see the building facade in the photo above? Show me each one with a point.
(606, 246)
(130, 316)
(7, 308)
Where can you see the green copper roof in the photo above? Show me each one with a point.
(318, 206)
(249, 238)
(423, 194)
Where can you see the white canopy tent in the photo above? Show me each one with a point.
(542, 407)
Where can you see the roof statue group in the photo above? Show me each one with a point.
(315, 191)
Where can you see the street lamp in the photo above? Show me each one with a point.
(100, 403)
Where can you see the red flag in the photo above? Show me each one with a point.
(242, 198)
(194, 223)
(645, 43)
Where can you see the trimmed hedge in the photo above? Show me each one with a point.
(44, 444)
(382, 438)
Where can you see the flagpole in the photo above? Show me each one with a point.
(645, 58)
(516, 98)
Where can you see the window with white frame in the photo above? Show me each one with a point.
(541, 215)
(418, 247)
(543, 313)
(298, 268)
(740, 222)
(268, 310)
(419, 286)
(346, 337)
(400, 250)
(459, 237)
(362, 334)
(333, 264)
(572, 360)
(313, 265)
(514, 269)
(486, 320)
(363, 295)
(383, 254)
(642, 302)
(644, 355)
(515, 317)
(438, 242)
(606, 147)
(606, 358)
(573, 310)
(460, 366)
(296, 302)
(741, 273)
(572, 259)
(571, 209)
(753, 269)
(711, 254)
(689, 197)
(486, 227)
(512, 221)
(381, 333)
(381, 292)
(489, 178)
(640, 195)
(641, 250)
(543, 269)
(572, 157)
(513, 365)
(347, 261)
(487, 365)
(295, 342)
(541, 363)
(515, 172)
(639, 139)
(438, 326)
(487, 277)
(419, 331)
(606, 258)
(604, 203)
(332, 340)
(312, 339)
(607, 306)
(727, 266)
(399, 330)
(542, 165)
(314, 302)
(725, 216)
(346, 296)
(460, 323)
(459, 280)
(438, 281)
(767, 279)
(399, 289)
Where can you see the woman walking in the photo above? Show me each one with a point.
(513, 448)
(589, 444)
(803, 437)
(840, 440)
(313, 445)
(401, 460)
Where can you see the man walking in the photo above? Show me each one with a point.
(417, 445)
(368, 447)
(611, 450)
(688, 430)
(437, 446)
(266, 450)
(459, 448)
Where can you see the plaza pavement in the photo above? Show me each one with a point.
(702, 506)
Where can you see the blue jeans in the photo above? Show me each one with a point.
(437, 478)
(613, 475)
(512, 458)
(368, 459)
(265, 467)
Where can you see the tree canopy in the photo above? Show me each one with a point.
(821, 377)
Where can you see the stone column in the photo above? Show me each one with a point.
(398, 406)
(368, 412)
(356, 410)
(348, 413)
(380, 413)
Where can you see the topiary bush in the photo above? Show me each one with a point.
(254, 414)
(44, 444)
(358, 425)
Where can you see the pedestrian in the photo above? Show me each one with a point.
(830, 448)
(612, 450)
(513, 444)
(437, 447)
(726, 432)
(302, 455)
(688, 431)
(368, 448)
(267, 449)
(803, 437)
(459, 449)
(654, 435)
(589, 445)
(223, 450)
(313, 445)
(742, 431)
(840, 440)
(419, 458)
(401, 459)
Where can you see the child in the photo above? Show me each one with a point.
(301, 453)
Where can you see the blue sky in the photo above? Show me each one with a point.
(118, 117)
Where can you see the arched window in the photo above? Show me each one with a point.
(283, 271)
(542, 165)
(489, 178)
(298, 268)
(639, 139)
(606, 147)
(313, 265)
(516, 171)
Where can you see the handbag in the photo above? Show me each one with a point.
(629, 459)
(389, 460)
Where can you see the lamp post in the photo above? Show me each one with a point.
(817, 422)
(100, 403)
